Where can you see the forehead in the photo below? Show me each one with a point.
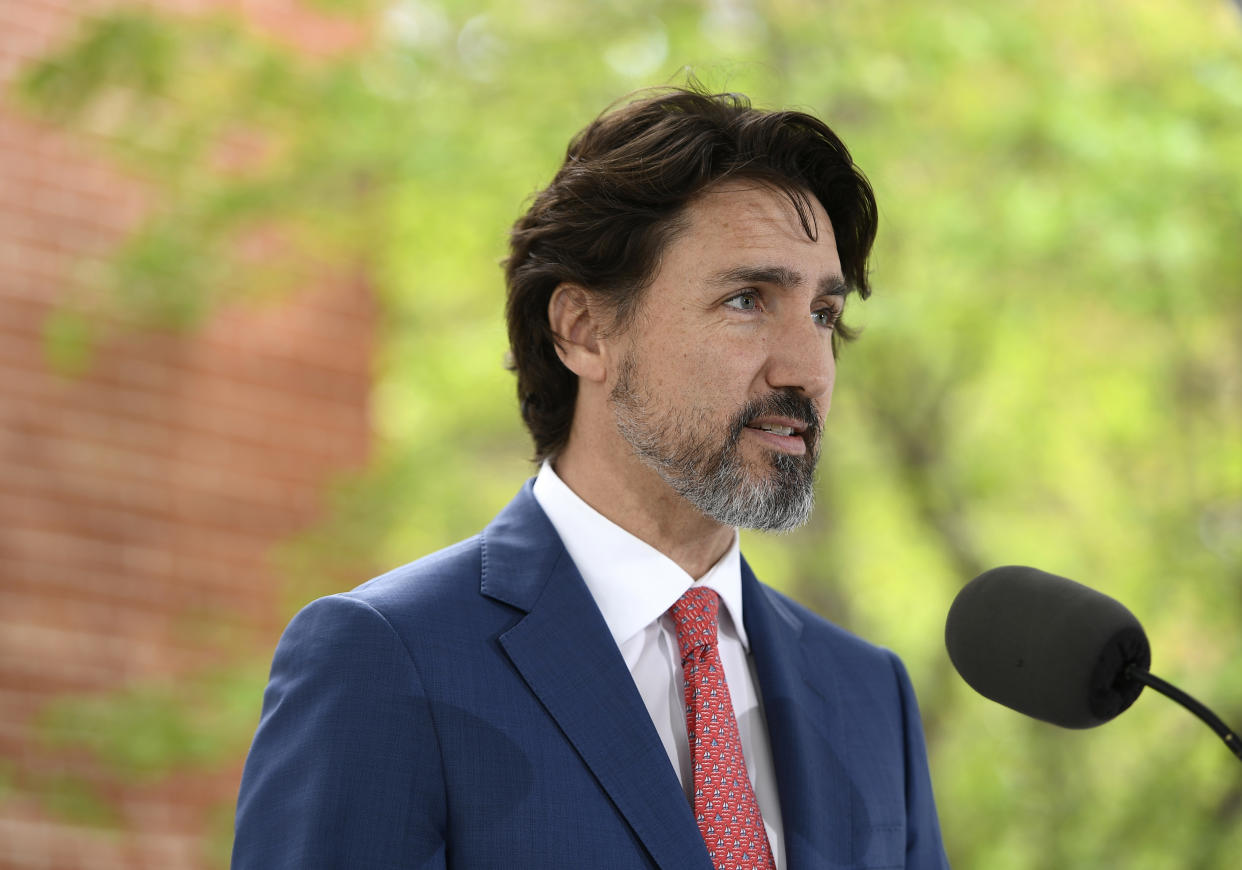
(743, 222)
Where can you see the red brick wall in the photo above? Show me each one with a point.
(144, 497)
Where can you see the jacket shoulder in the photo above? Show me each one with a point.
(446, 573)
(818, 630)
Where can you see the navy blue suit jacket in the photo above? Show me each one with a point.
(471, 710)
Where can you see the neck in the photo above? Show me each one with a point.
(637, 499)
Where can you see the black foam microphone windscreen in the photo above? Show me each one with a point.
(1046, 646)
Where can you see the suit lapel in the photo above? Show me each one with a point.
(820, 805)
(566, 655)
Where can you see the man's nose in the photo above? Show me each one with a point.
(800, 358)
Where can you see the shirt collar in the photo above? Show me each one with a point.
(632, 582)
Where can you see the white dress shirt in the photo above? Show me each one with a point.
(634, 585)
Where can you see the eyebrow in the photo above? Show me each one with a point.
(782, 276)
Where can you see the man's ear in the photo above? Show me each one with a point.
(576, 324)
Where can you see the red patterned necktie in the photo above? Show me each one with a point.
(724, 802)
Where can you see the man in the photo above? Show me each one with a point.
(597, 680)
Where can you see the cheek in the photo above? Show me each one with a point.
(726, 376)
(713, 370)
(677, 365)
(825, 402)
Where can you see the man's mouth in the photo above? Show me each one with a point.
(782, 422)
(785, 435)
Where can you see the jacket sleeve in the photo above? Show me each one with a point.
(924, 845)
(345, 768)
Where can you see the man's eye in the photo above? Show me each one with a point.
(826, 317)
(747, 301)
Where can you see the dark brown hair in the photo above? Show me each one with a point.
(617, 200)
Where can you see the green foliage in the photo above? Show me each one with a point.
(1050, 370)
(218, 844)
(254, 154)
(67, 341)
(76, 800)
(143, 732)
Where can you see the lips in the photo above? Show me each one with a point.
(777, 430)
(777, 425)
(782, 434)
(785, 421)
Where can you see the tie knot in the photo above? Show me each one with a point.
(694, 615)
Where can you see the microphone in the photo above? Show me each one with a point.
(1056, 650)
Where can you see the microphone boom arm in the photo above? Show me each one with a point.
(1213, 721)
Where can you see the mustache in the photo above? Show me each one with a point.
(780, 404)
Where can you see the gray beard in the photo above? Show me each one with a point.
(712, 476)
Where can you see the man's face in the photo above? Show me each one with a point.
(726, 373)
